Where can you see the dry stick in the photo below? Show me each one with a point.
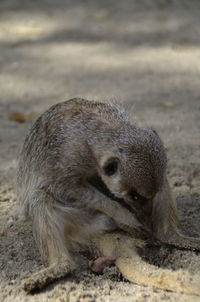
(134, 269)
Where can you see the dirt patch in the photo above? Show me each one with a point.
(145, 54)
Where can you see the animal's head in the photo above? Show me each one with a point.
(133, 167)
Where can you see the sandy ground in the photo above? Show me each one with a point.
(146, 55)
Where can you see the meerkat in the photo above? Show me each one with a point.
(86, 169)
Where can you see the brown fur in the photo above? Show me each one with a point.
(72, 144)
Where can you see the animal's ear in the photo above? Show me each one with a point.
(109, 164)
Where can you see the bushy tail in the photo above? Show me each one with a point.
(137, 270)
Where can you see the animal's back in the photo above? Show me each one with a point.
(69, 118)
(59, 138)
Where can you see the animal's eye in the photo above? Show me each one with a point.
(111, 166)
(137, 197)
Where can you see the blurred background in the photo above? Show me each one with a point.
(144, 54)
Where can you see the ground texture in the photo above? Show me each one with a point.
(144, 54)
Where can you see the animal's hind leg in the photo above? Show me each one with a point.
(49, 225)
(47, 275)
(165, 221)
(135, 269)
